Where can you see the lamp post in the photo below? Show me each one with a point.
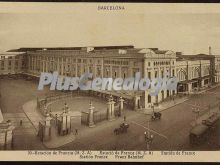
(148, 137)
(196, 110)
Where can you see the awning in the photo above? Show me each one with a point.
(188, 81)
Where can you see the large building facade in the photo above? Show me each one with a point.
(193, 71)
(12, 63)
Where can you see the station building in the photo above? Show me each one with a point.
(12, 63)
(193, 71)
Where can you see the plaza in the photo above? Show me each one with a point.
(175, 128)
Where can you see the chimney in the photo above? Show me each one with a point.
(210, 50)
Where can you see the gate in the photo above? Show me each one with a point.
(100, 116)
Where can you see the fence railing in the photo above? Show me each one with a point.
(100, 116)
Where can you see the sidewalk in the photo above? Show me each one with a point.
(205, 89)
(30, 109)
(165, 105)
(168, 104)
(57, 141)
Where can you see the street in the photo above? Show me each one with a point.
(175, 124)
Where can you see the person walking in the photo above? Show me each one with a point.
(76, 131)
(124, 118)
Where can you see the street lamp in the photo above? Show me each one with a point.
(148, 137)
(196, 110)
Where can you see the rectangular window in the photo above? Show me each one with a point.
(2, 65)
(155, 74)
(149, 99)
(16, 64)
(149, 75)
(162, 75)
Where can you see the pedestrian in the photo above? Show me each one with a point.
(145, 136)
(124, 118)
(76, 131)
(21, 122)
(173, 100)
(56, 119)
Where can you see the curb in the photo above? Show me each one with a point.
(163, 109)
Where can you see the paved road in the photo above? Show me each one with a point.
(14, 93)
(175, 124)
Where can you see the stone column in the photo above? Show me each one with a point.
(189, 87)
(120, 74)
(135, 103)
(76, 69)
(91, 115)
(47, 131)
(111, 71)
(64, 126)
(121, 105)
(66, 119)
(102, 68)
(111, 108)
(202, 83)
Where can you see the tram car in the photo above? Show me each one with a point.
(198, 134)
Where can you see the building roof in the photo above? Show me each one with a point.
(194, 57)
(10, 53)
(157, 51)
(71, 48)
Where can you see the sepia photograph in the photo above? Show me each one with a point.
(106, 77)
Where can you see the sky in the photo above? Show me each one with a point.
(189, 30)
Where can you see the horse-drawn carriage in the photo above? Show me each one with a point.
(156, 115)
(122, 129)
